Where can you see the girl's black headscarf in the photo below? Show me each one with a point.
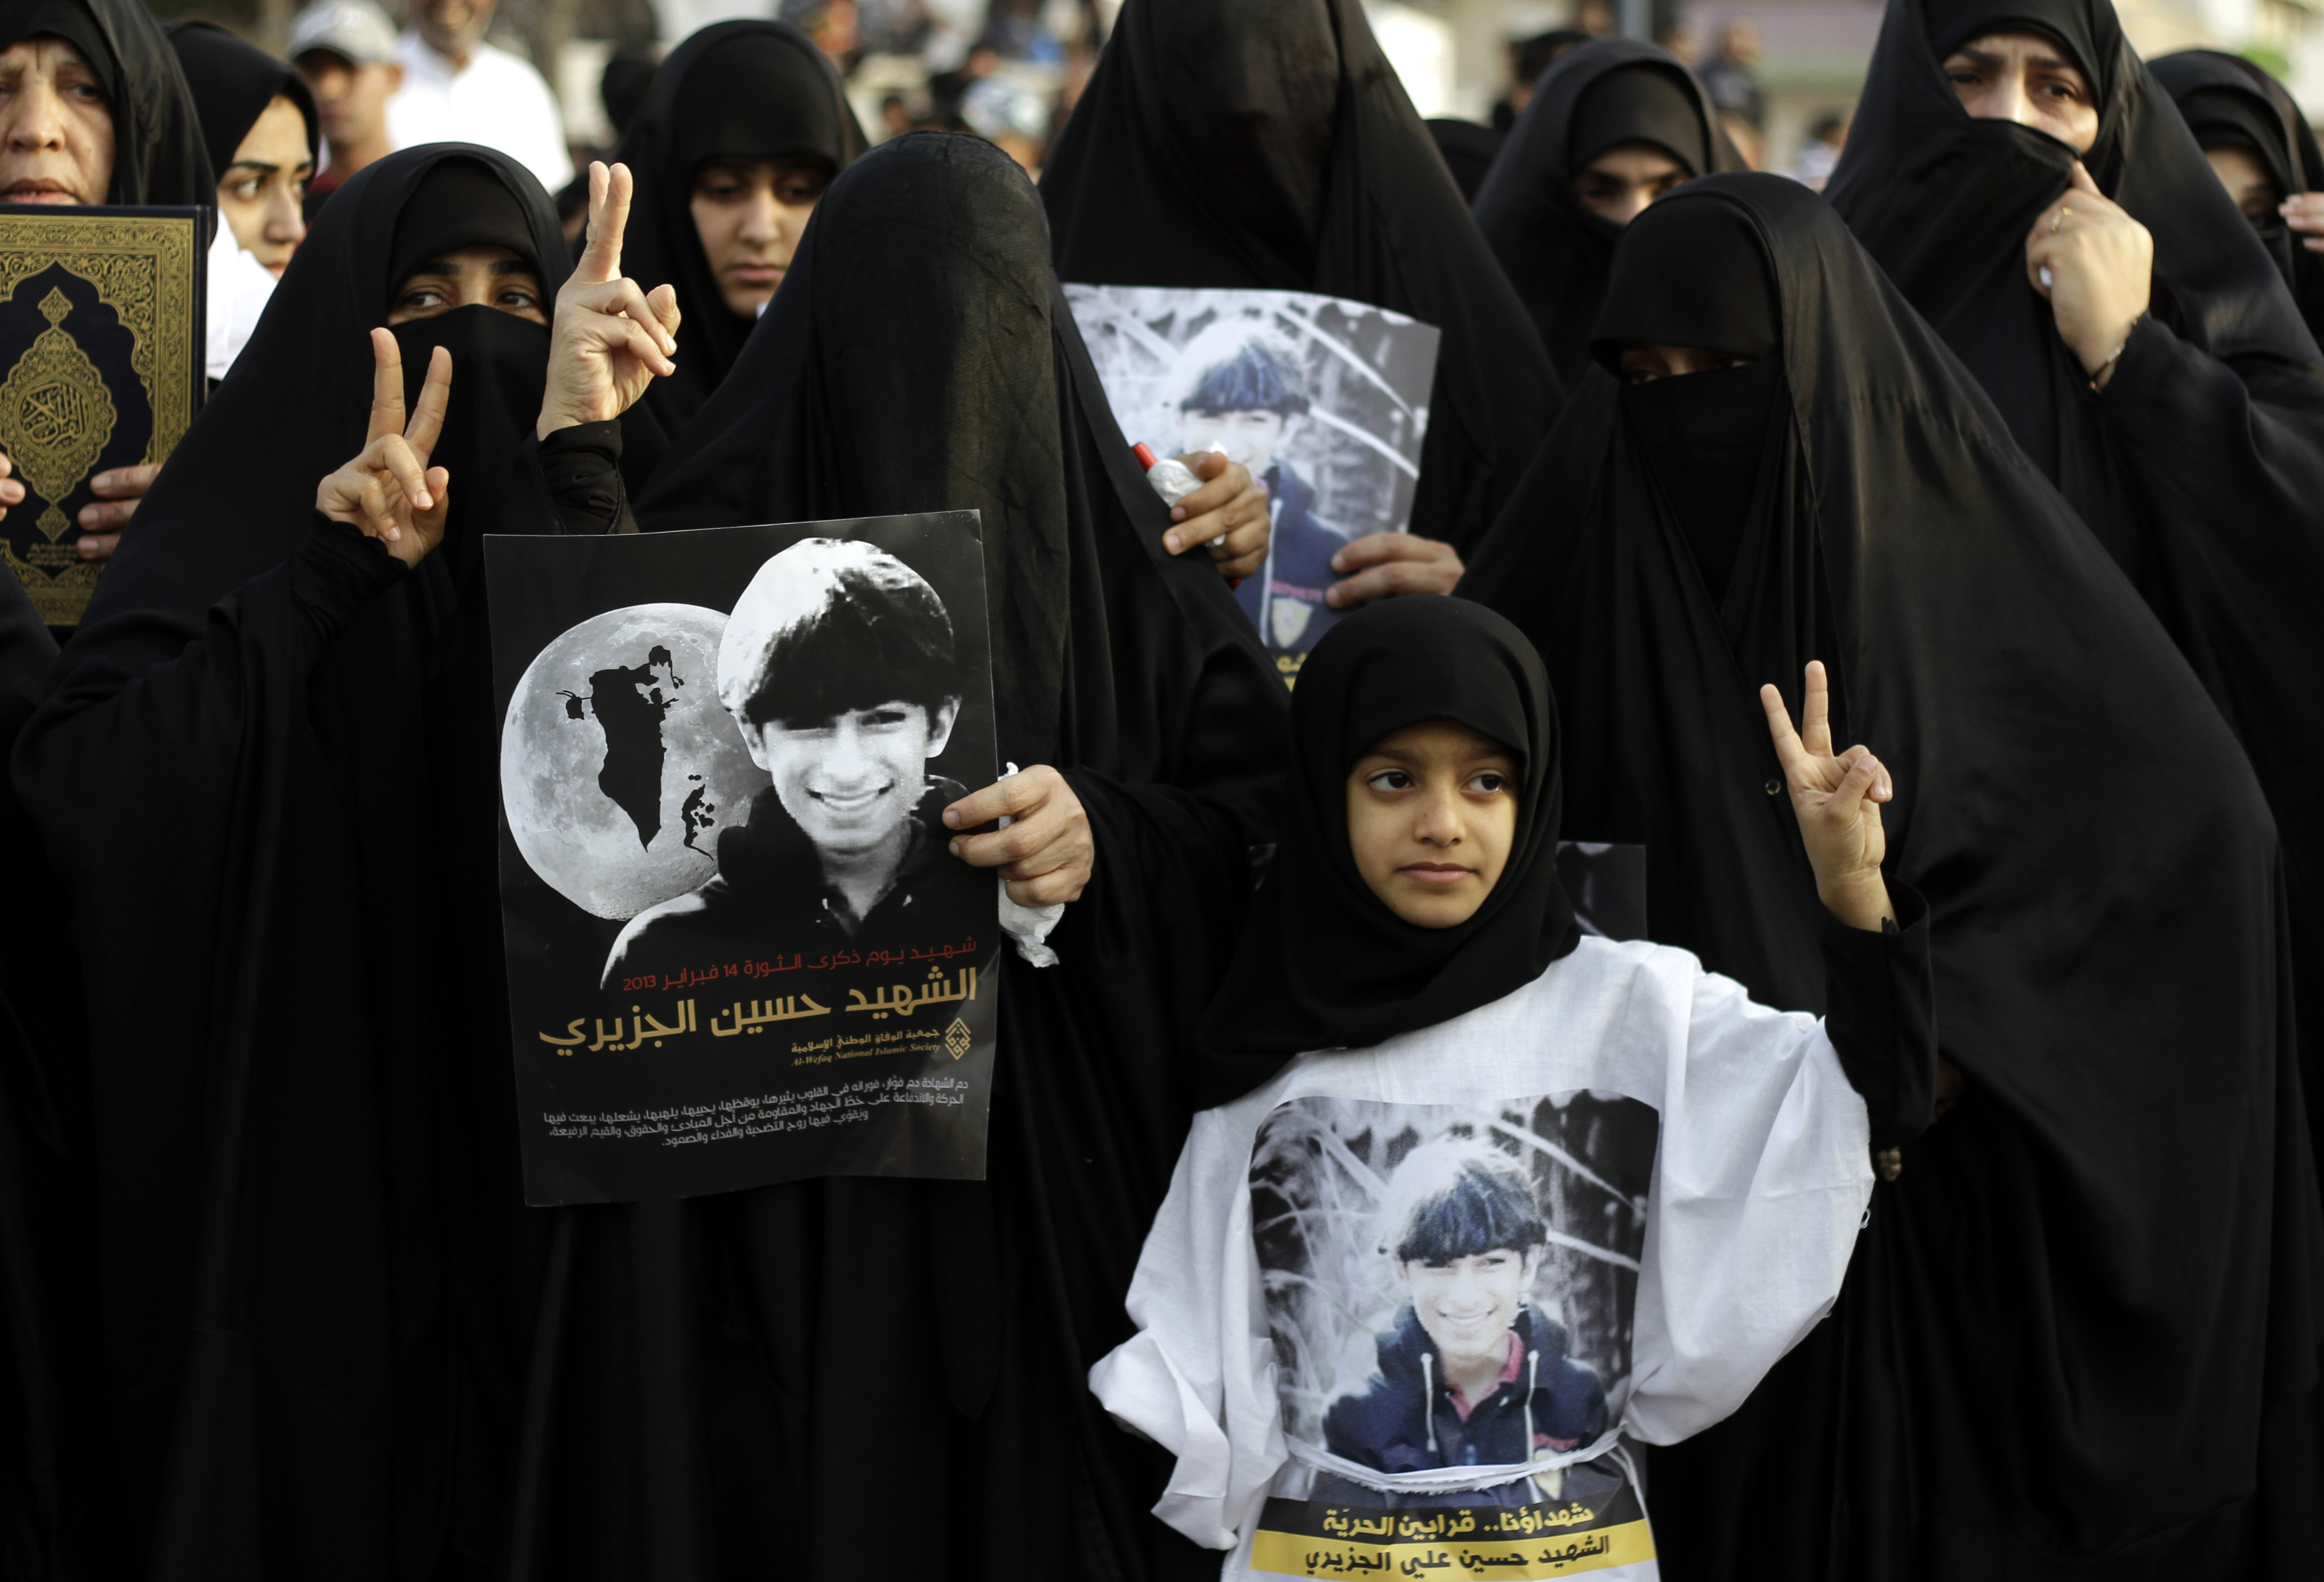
(233, 83)
(920, 357)
(1323, 964)
(158, 151)
(757, 89)
(2230, 101)
(1555, 251)
(2017, 1286)
(1224, 144)
(297, 1251)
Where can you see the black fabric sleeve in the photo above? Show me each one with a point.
(337, 570)
(582, 466)
(1882, 1017)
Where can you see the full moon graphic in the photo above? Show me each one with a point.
(619, 767)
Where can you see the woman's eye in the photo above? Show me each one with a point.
(1488, 783)
(1391, 780)
(516, 297)
(1639, 376)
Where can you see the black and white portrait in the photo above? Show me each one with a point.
(739, 950)
(1450, 1286)
(1324, 401)
(838, 672)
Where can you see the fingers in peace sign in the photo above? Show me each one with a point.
(389, 490)
(610, 338)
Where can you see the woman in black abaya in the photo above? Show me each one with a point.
(813, 1377)
(2081, 1335)
(2234, 107)
(1231, 145)
(2198, 460)
(1541, 209)
(306, 1193)
(751, 94)
(232, 84)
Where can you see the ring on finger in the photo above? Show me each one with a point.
(2058, 219)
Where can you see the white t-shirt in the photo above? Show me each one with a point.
(499, 101)
(1351, 1367)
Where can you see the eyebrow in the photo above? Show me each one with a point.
(1988, 57)
(263, 168)
(443, 266)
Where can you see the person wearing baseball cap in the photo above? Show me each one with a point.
(344, 53)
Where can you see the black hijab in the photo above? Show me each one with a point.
(757, 89)
(1323, 964)
(1556, 252)
(920, 357)
(1230, 145)
(1469, 150)
(2010, 1289)
(2230, 101)
(296, 1252)
(158, 152)
(1944, 202)
(233, 83)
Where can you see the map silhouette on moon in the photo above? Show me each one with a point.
(619, 767)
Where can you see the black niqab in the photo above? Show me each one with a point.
(233, 83)
(1556, 250)
(2226, 99)
(158, 152)
(309, 1266)
(1986, 1399)
(1323, 964)
(757, 89)
(730, 1374)
(1176, 170)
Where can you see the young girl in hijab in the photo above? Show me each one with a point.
(1775, 461)
(258, 122)
(741, 131)
(2264, 153)
(1612, 126)
(1607, 1191)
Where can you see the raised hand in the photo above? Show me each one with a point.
(2096, 266)
(609, 339)
(2304, 213)
(1837, 801)
(389, 490)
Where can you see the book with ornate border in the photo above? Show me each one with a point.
(101, 366)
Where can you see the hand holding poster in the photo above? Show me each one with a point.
(739, 949)
(1324, 401)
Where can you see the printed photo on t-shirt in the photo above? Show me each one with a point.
(1451, 1287)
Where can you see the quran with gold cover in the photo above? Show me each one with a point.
(101, 366)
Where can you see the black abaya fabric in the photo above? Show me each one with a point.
(1469, 150)
(2094, 1293)
(158, 152)
(754, 89)
(232, 84)
(783, 1381)
(2225, 99)
(1228, 146)
(49, 1397)
(313, 1260)
(1323, 964)
(1554, 249)
(2201, 467)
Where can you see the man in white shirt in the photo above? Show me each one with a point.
(458, 88)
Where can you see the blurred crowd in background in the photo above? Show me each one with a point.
(552, 81)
